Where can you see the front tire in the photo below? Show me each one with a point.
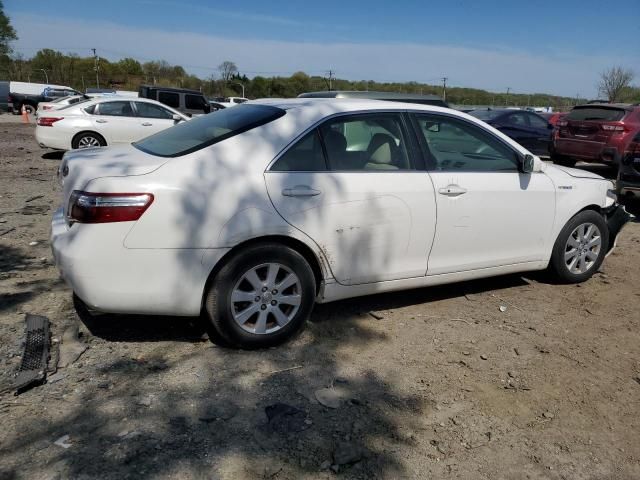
(580, 248)
(261, 297)
(88, 140)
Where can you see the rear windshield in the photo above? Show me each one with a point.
(596, 113)
(206, 130)
(486, 114)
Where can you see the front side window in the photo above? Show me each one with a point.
(114, 109)
(458, 145)
(365, 142)
(305, 156)
(149, 110)
(188, 137)
(518, 120)
(169, 98)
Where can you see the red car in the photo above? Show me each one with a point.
(553, 117)
(595, 133)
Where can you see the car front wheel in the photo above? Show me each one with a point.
(580, 248)
(261, 297)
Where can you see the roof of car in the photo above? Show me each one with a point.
(625, 106)
(368, 94)
(345, 104)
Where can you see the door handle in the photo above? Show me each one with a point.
(100, 120)
(452, 191)
(300, 191)
(147, 124)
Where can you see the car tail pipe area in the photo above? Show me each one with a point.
(617, 217)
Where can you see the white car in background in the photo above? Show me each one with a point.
(103, 121)
(254, 213)
(61, 102)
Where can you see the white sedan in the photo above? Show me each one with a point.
(103, 121)
(252, 214)
(60, 103)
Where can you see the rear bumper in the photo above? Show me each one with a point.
(108, 277)
(617, 218)
(49, 137)
(586, 151)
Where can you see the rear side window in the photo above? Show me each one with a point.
(304, 156)
(194, 102)
(603, 114)
(169, 98)
(115, 109)
(193, 135)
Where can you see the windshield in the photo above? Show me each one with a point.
(208, 129)
(596, 113)
(485, 114)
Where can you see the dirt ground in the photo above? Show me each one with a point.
(443, 384)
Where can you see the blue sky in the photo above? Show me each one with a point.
(544, 46)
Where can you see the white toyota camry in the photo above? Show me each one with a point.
(251, 214)
(103, 121)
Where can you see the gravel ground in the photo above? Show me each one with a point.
(440, 383)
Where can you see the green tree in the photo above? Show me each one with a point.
(7, 35)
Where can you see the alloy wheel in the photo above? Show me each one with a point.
(266, 298)
(582, 248)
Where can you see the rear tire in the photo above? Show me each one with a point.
(88, 140)
(261, 297)
(580, 247)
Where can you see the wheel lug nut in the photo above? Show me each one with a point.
(264, 289)
(274, 291)
(263, 307)
(257, 299)
(273, 302)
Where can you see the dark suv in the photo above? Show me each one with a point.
(597, 133)
(189, 102)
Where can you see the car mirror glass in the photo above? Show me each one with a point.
(527, 163)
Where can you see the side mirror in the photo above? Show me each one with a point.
(526, 164)
(177, 118)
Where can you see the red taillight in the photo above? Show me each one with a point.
(89, 207)
(48, 121)
(613, 127)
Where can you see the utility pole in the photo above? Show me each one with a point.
(46, 77)
(444, 88)
(331, 73)
(577, 96)
(506, 100)
(96, 67)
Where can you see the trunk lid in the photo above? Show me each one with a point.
(78, 167)
(586, 122)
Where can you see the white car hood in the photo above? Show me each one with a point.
(78, 167)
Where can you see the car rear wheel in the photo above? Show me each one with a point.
(261, 297)
(580, 248)
(88, 140)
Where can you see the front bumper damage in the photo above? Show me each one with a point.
(617, 217)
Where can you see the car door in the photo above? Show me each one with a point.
(353, 186)
(116, 121)
(153, 118)
(542, 130)
(489, 214)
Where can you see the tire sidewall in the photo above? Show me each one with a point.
(218, 303)
(557, 260)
